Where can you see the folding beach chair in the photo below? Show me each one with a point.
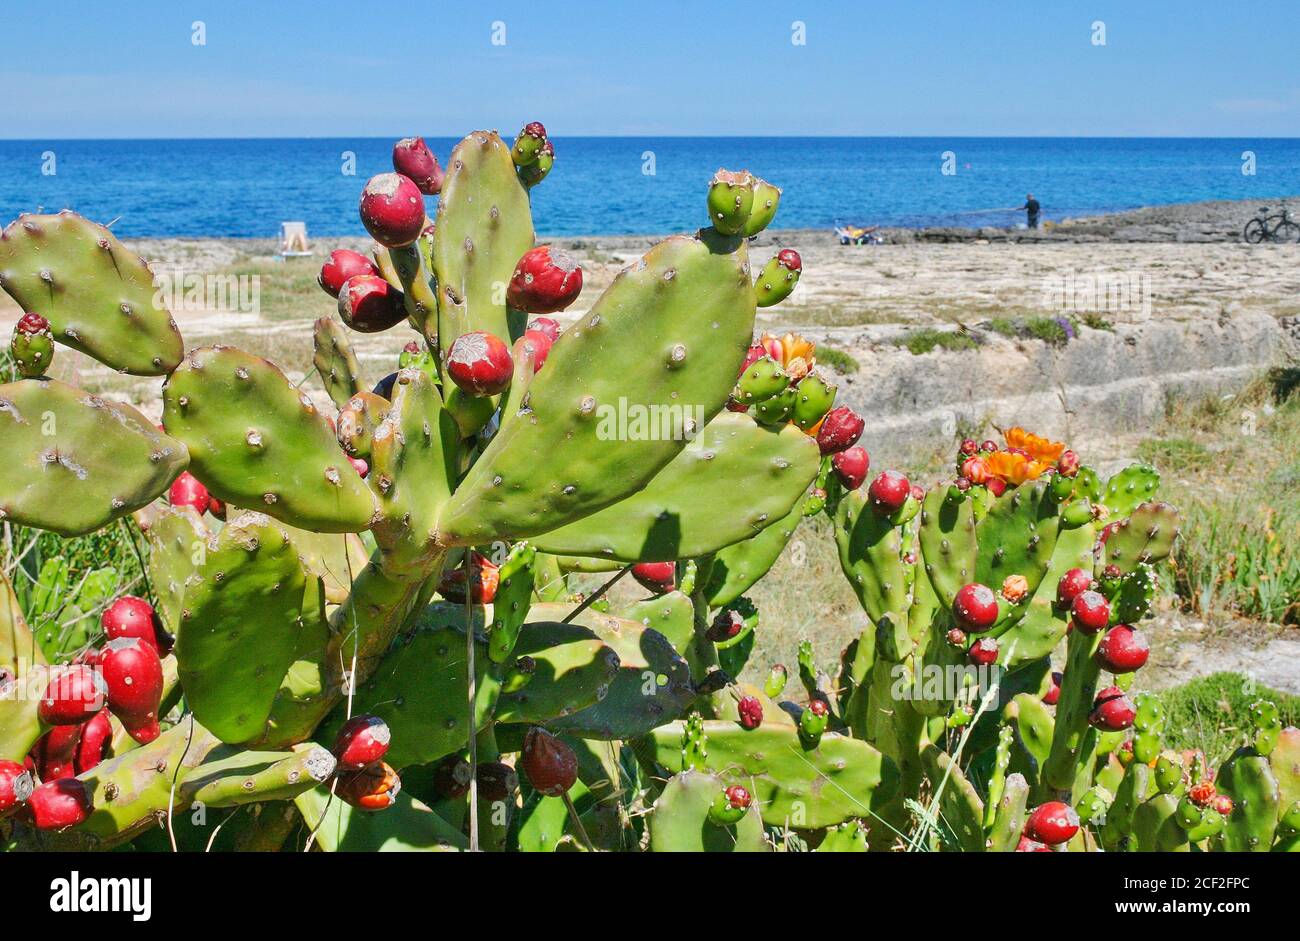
(293, 240)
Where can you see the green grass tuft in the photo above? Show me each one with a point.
(836, 359)
(927, 339)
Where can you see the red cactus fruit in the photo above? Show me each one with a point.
(918, 492)
(497, 781)
(31, 324)
(187, 491)
(851, 466)
(1072, 584)
(369, 304)
(1223, 804)
(362, 741)
(750, 711)
(374, 787)
(1202, 793)
(74, 694)
(343, 264)
(451, 777)
(840, 429)
(1090, 611)
(480, 363)
(133, 680)
(216, 508)
(547, 326)
(412, 158)
(738, 797)
(968, 447)
(975, 608)
(1053, 695)
(545, 280)
(1026, 845)
(392, 210)
(96, 735)
(1112, 711)
(57, 805)
(1067, 465)
(818, 707)
(540, 344)
(484, 591)
(551, 765)
(789, 259)
(726, 625)
(1123, 649)
(659, 577)
(889, 491)
(996, 486)
(16, 785)
(975, 469)
(957, 637)
(130, 616)
(989, 445)
(1053, 823)
(54, 755)
(983, 652)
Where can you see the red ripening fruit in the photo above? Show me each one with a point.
(130, 616)
(1090, 611)
(918, 492)
(851, 466)
(975, 469)
(374, 787)
(540, 344)
(1026, 845)
(968, 447)
(1223, 804)
(975, 607)
(957, 637)
(737, 797)
(74, 694)
(1123, 649)
(31, 324)
(55, 753)
(659, 577)
(983, 652)
(752, 355)
(1112, 711)
(452, 585)
(750, 711)
(551, 765)
(1053, 823)
(996, 486)
(133, 680)
(362, 741)
(818, 707)
(413, 159)
(451, 777)
(547, 326)
(1072, 584)
(392, 210)
(16, 785)
(1067, 465)
(96, 735)
(57, 805)
(889, 491)
(726, 625)
(1053, 695)
(840, 429)
(479, 362)
(187, 491)
(546, 280)
(343, 264)
(497, 781)
(789, 259)
(369, 304)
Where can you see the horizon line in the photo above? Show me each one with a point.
(4, 139)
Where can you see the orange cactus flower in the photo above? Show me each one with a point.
(1042, 450)
(793, 352)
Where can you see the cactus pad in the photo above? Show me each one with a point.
(334, 360)
(1135, 484)
(679, 822)
(1146, 536)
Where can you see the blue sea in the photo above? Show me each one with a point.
(612, 185)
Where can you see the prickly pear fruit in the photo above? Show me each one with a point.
(551, 765)
(392, 210)
(57, 805)
(1052, 823)
(451, 777)
(888, 492)
(1026, 845)
(658, 577)
(74, 694)
(1090, 611)
(730, 805)
(750, 711)
(130, 616)
(1067, 465)
(374, 787)
(983, 652)
(16, 785)
(1222, 804)
(760, 379)
(851, 466)
(1072, 584)
(369, 304)
(731, 199)
(1112, 711)
(32, 345)
(1053, 694)
(485, 580)
(546, 280)
(361, 741)
(528, 145)
(187, 491)
(840, 430)
(412, 158)
(774, 685)
(996, 486)
(1123, 649)
(342, 265)
(497, 781)
(536, 171)
(726, 625)
(55, 753)
(766, 200)
(975, 469)
(778, 278)
(547, 326)
(133, 682)
(814, 397)
(480, 363)
(975, 608)
(96, 736)
(539, 344)
(814, 719)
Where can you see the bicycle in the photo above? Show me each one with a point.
(1274, 228)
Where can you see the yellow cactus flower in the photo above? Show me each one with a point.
(1039, 449)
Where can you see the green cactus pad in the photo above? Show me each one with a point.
(1155, 825)
(671, 614)
(1146, 536)
(668, 333)
(357, 421)
(177, 538)
(230, 776)
(870, 550)
(679, 821)
(739, 566)
(767, 198)
(574, 670)
(240, 624)
(1009, 815)
(409, 826)
(334, 361)
(256, 442)
(16, 641)
(1134, 485)
(1285, 760)
(948, 546)
(482, 228)
(74, 462)
(1248, 779)
(842, 778)
(98, 296)
(1017, 535)
(850, 837)
(513, 601)
(1043, 624)
(693, 507)
(960, 812)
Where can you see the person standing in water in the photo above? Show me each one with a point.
(1032, 208)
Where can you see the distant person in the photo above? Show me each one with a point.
(1032, 209)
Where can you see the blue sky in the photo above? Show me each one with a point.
(929, 67)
